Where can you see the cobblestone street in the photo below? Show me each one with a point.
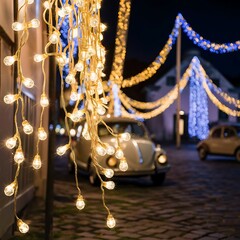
(199, 200)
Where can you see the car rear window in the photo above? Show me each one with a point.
(132, 128)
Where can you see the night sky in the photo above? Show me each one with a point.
(151, 22)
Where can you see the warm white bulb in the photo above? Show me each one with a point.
(93, 21)
(101, 110)
(9, 60)
(9, 190)
(39, 57)
(19, 156)
(110, 185)
(70, 79)
(27, 127)
(123, 166)
(91, 51)
(80, 204)
(93, 76)
(34, 23)
(101, 151)
(108, 173)
(111, 222)
(79, 3)
(125, 136)
(119, 153)
(62, 60)
(28, 82)
(72, 132)
(22, 226)
(42, 135)
(103, 27)
(110, 150)
(11, 142)
(100, 66)
(99, 88)
(46, 5)
(76, 115)
(62, 150)
(54, 37)
(10, 98)
(17, 26)
(44, 102)
(37, 163)
(30, 1)
(104, 100)
(79, 66)
(74, 96)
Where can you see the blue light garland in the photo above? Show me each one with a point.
(198, 104)
(206, 44)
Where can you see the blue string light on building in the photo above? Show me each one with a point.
(198, 104)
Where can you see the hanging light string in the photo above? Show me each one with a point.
(159, 60)
(218, 104)
(168, 99)
(219, 91)
(86, 72)
(120, 41)
(22, 25)
(207, 44)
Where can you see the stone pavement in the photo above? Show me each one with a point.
(199, 200)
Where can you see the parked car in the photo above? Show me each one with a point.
(223, 139)
(142, 155)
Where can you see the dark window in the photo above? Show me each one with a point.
(216, 133)
(216, 82)
(228, 132)
(171, 81)
(222, 116)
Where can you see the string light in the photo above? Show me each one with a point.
(9, 190)
(80, 204)
(198, 105)
(11, 142)
(22, 226)
(111, 222)
(37, 163)
(206, 44)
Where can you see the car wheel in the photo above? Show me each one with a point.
(93, 177)
(237, 155)
(202, 152)
(158, 178)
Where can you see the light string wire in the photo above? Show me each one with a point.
(161, 58)
(165, 101)
(86, 70)
(15, 142)
(226, 97)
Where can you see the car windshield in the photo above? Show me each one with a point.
(121, 127)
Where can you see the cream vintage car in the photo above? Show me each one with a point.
(223, 139)
(143, 157)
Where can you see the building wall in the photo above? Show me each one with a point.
(28, 180)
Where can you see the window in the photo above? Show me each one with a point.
(171, 81)
(228, 132)
(216, 133)
(216, 82)
(222, 116)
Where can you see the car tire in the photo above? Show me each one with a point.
(93, 177)
(237, 155)
(202, 153)
(158, 178)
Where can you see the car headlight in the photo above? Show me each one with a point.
(112, 162)
(162, 158)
